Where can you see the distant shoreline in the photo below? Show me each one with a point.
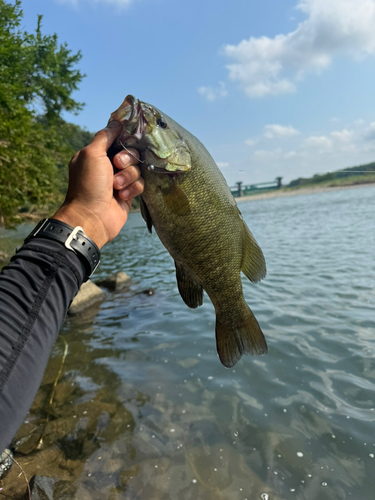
(278, 193)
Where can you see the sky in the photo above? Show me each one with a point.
(271, 87)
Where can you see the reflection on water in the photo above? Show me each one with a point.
(145, 410)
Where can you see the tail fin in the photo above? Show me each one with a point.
(236, 338)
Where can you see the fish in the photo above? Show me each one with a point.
(189, 204)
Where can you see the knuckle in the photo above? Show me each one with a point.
(130, 174)
(85, 153)
(138, 187)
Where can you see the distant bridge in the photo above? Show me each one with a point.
(241, 190)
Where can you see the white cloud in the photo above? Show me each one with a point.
(251, 142)
(274, 65)
(324, 150)
(291, 154)
(318, 141)
(343, 135)
(265, 154)
(222, 164)
(273, 131)
(370, 132)
(211, 93)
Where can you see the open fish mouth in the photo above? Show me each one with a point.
(134, 122)
(161, 151)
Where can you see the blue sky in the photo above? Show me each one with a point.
(271, 87)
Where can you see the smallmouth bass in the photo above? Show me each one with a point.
(188, 202)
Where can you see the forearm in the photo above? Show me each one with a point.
(36, 289)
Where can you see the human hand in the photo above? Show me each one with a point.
(97, 199)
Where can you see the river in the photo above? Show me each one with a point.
(144, 409)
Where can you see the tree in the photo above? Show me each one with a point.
(37, 79)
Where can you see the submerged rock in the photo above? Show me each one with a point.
(4, 257)
(88, 295)
(41, 487)
(148, 291)
(49, 488)
(5, 461)
(116, 282)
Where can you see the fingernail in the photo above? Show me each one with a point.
(120, 180)
(114, 124)
(125, 193)
(124, 158)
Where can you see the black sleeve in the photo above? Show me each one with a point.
(36, 290)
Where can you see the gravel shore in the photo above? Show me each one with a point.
(296, 192)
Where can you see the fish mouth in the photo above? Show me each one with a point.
(138, 120)
(134, 122)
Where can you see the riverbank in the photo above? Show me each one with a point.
(299, 191)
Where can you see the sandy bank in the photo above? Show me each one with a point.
(296, 192)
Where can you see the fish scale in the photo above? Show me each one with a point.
(188, 202)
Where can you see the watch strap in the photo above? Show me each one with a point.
(73, 239)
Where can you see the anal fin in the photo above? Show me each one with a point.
(190, 291)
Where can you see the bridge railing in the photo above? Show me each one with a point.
(243, 190)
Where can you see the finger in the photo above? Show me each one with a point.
(125, 158)
(105, 137)
(126, 177)
(132, 191)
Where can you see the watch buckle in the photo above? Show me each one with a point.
(73, 236)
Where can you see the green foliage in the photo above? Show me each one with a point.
(350, 174)
(37, 78)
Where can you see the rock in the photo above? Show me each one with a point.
(51, 462)
(88, 295)
(113, 465)
(5, 461)
(116, 282)
(148, 291)
(49, 488)
(41, 487)
(3, 257)
(27, 438)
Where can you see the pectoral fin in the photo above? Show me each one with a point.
(253, 263)
(176, 199)
(145, 214)
(190, 291)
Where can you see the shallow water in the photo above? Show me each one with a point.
(145, 410)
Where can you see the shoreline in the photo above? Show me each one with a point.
(300, 191)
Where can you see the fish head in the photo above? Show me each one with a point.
(154, 135)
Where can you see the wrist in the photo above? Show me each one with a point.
(74, 239)
(80, 216)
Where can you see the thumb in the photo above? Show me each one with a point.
(105, 137)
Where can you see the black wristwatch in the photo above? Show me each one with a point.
(73, 239)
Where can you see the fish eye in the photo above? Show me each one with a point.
(160, 123)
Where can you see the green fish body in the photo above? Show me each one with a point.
(188, 202)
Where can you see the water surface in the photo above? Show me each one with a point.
(145, 410)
